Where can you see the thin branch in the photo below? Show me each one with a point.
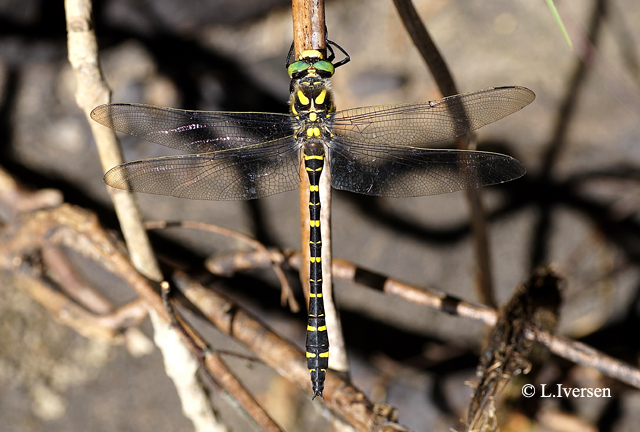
(65, 310)
(71, 283)
(286, 291)
(560, 346)
(285, 358)
(93, 91)
(348, 271)
(80, 231)
(124, 320)
(585, 355)
(534, 305)
(15, 199)
(180, 361)
(445, 82)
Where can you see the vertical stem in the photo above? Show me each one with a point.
(309, 33)
(92, 91)
(444, 80)
(308, 26)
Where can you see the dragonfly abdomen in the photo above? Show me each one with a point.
(317, 344)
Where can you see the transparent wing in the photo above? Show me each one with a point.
(416, 124)
(395, 171)
(235, 174)
(193, 131)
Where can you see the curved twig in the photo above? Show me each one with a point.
(445, 82)
(286, 291)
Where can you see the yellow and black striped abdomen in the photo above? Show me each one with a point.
(311, 102)
(317, 338)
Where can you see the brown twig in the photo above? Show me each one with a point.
(124, 320)
(65, 310)
(588, 356)
(309, 29)
(289, 361)
(445, 82)
(534, 305)
(560, 346)
(92, 91)
(70, 282)
(348, 271)
(15, 199)
(286, 291)
(224, 378)
(79, 230)
(228, 264)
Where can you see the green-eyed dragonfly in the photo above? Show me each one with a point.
(374, 150)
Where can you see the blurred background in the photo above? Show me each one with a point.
(577, 207)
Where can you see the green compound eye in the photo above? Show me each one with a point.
(324, 66)
(296, 67)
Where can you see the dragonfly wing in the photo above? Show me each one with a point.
(234, 174)
(417, 124)
(395, 171)
(193, 131)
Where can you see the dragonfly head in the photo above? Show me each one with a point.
(311, 63)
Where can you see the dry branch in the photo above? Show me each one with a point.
(534, 305)
(92, 91)
(79, 230)
(286, 292)
(343, 269)
(290, 362)
(445, 82)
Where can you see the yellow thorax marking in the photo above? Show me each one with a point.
(312, 116)
(321, 96)
(314, 188)
(302, 98)
(313, 132)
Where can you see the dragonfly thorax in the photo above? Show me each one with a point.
(311, 98)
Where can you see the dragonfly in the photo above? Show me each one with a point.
(375, 150)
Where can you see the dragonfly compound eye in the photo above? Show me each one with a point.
(296, 67)
(325, 68)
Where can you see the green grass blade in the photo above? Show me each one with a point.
(556, 15)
